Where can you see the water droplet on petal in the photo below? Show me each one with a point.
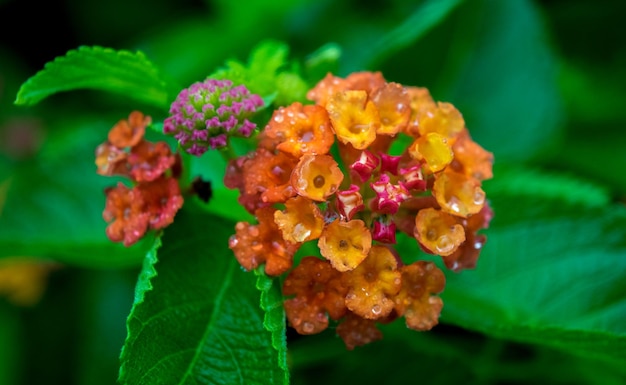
(376, 309)
(454, 204)
(300, 232)
(444, 244)
(308, 327)
(279, 118)
(479, 196)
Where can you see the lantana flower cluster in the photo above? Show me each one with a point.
(207, 113)
(153, 170)
(326, 173)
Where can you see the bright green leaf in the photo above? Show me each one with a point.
(122, 72)
(274, 321)
(197, 317)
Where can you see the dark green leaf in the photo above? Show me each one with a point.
(506, 85)
(10, 348)
(123, 72)
(551, 273)
(198, 319)
(54, 204)
(426, 16)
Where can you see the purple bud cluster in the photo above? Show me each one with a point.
(204, 115)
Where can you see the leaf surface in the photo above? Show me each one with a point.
(123, 72)
(196, 317)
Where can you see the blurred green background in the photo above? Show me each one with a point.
(540, 83)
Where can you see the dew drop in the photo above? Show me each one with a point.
(454, 204)
(350, 296)
(479, 196)
(279, 118)
(444, 244)
(300, 232)
(376, 309)
(478, 245)
(400, 107)
(385, 121)
(308, 327)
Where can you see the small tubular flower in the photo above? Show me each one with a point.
(364, 166)
(318, 294)
(269, 175)
(204, 115)
(300, 130)
(125, 210)
(111, 160)
(349, 202)
(438, 232)
(373, 284)
(471, 159)
(389, 196)
(417, 300)
(262, 243)
(148, 161)
(345, 244)
(432, 149)
(354, 118)
(162, 199)
(128, 133)
(393, 104)
(301, 220)
(466, 256)
(420, 102)
(444, 120)
(316, 177)
(357, 331)
(458, 194)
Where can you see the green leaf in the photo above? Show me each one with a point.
(11, 346)
(197, 318)
(426, 16)
(535, 184)
(122, 72)
(264, 74)
(502, 75)
(54, 205)
(274, 320)
(551, 273)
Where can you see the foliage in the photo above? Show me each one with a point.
(535, 87)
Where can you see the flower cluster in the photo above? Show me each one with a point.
(354, 203)
(155, 197)
(204, 115)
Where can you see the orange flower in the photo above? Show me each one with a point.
(301, 129)
(438, 232)
(356, 331)
(432, 149)
(301, 221)
(471, 159)
(127, 133)
(354, 118)
(458, 194)
(316, 177)
(445, 120)
(318, 294)
(125, 209)
(417, 300)
(326, 88)
(421, 101)
(345, 244)
(262, 243)
(162, 199)
(111, 160)
(393, 104)
(148, 161)
(269, 174)
(466, 256)
(366, 81)
(373, 284)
